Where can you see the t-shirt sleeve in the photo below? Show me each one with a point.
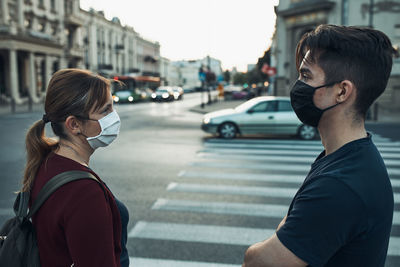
(324, 216)
(89, 227)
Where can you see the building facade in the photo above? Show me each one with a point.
(39, 37)
(296, 17)
(185, 73)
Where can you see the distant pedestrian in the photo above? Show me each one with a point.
(82, 223)
(342, 214)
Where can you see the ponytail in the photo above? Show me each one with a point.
(38, 147)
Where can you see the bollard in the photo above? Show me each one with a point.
(12, 105)
(30, 103)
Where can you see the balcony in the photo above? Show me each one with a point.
(71, 19)
(305, 6)
(75, 52)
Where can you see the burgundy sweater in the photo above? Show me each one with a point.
(78, 223)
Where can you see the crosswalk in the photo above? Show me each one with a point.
(248, 185)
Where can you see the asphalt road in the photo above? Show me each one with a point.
(193, 200)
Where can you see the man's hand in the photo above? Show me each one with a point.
(271, 253)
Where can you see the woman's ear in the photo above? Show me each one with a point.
(345, 91)
(73, 125)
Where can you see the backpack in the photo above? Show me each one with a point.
(18, 243)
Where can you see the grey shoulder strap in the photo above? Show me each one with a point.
(55, 183)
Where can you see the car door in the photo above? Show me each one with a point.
(259, 118)
(286, 121)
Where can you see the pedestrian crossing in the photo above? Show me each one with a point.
(245, 182)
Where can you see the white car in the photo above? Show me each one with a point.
(260, 115)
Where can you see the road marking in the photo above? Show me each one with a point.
(289, 178)
(279, 192)
(298, 153)
(280, 178)
(199, 233)
(261, 166)
(377, 141)
(262, 210)
(243, 209)
(383, 148)
(7, 212)
(134, 262)
(268, 166)
(303, 159)
(215, 234)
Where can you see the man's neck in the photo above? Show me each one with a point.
(335, 134)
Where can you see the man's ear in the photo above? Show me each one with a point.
(345, 91)
(73, 125)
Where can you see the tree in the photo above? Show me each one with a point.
(227, 76)
(240, 78)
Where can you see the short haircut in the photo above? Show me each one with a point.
(358, 54)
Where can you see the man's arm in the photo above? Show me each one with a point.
(271, 253)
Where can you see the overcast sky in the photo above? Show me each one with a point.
(237, 32)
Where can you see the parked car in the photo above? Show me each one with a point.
(260, 115)
(246, 93)
(178, 92)
(163, 93)
(126, 96)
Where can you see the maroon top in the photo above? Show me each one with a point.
(78, 223)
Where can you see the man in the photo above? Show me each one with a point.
(342, 214)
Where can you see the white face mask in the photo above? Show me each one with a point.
(110, 125)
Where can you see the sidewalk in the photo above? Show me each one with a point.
(384, 116)
(5, 109)
(221, 104)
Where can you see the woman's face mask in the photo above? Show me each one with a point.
(301, 98)
(110, 125)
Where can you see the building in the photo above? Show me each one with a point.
(296, 17)
(39, 37)
(185, 73)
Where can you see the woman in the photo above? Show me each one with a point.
(82, 223)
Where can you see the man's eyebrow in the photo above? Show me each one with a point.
(305, 70)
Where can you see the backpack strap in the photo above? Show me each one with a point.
(52, 185)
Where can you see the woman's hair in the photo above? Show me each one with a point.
(70, 92)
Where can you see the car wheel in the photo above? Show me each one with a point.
(307, 132)
(227, 130)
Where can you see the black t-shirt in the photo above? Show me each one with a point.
(342, 214)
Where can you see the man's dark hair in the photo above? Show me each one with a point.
(360, 55)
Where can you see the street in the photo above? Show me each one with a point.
(193, 199)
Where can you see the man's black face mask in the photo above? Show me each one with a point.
(301, 98)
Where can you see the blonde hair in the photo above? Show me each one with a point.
(70, 92)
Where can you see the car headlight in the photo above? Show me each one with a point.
(176, 95)
(165, 95)
(116, 98)
(153, 95)
(130, 99)
(206, 120)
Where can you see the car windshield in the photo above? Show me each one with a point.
(246, 105)
(162, 90)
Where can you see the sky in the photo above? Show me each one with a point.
(237, 32)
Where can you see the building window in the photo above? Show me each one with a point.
(28, 23)
(42, 26)
(53, 6)
(41, 4)
(345, 12)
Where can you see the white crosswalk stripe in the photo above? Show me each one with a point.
(244, 209)
(281, 164)
(213, 234)
(135, 262)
